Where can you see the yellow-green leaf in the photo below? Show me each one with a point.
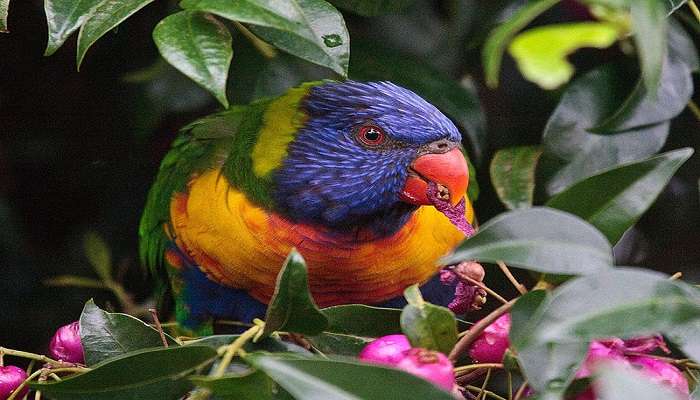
(541, 52)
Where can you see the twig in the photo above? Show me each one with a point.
(521, 390)
(471, 367)
(265, 49)
(694, 9)
(159, 327)
(485, 392)
(477, 328)
(38, 357)
(483, 385)
(504, 268)
(510, 386)
(676, 276)
(473, 281)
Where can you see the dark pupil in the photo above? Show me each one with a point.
(372, 134)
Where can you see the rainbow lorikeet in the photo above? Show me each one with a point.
(367, 181)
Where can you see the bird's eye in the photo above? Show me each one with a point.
(371, 135)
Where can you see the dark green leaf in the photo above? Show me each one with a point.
(513, 175)
(538, 239)
(145, 374)
(619, 382)
(498, 39)
(458, 100)
(292, 308)
(65, 17)
(371, 8)
(426, 325)
(523, 315)
(4, 7)
(646, 107)
(105, 17)
(579, 153)
(279, 15)
(253, 385)
(199, 46)
(322, 379)
(361, 320)
(270, 344)
(623, 302)
(99, 255)
(105, 335)
(339, 344)
(650, 34)
(614, 200)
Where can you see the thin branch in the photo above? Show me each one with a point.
(473, 281)
(265, 49)
(477, 328)
(471, 367)
(521, 390)
(694, 107)
(159, 327)
(694, 9)
(504, 268)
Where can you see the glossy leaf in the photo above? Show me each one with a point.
(371, 8)
(614, 200)
(146, 374)
(98, 255)
(324, 379)
(362, 320)
(426, 325)
(4, 8)
(339, 344)
(538, 239)
(253, 385)
(273, 14)
(650, 34)
(571, 152)
(199, 46)
(270, 344)
(523, 316)
(541, 52)
(107, 15)
(620, 382)
(458, 100)
(292, 308)
(623, 302)
(513, 175)
(498, 39)
(106, 335)
(64, 17)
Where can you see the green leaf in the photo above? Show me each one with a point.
(620, 382)
(650, 34)
(538, 239)
(523, 316)
(323, 379)
(458, 100)
(426, 325)
(269, 13)
(362, 320)
(339, 344)
(64, 17)
(253, 385)
(571, 152)
(4, 7)
(513, 175)
(541, 52)
(371, 8)
(145, 374)
(495, 45)
(107, 15)
(292, 308)
(614, 200)
(623, 302)
(199, 46)
(106, 335)
(98, 254)
(270, 344)
(75, 281)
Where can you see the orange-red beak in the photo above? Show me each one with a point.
(447, 170)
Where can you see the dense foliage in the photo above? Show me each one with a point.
(570, 200)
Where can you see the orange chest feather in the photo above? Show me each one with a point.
(241, 245)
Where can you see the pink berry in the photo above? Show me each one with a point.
(10, 379)
(662, 373)
(491, 345)
(387, 350)
(429, 365)
(601, 351)
(65, 344)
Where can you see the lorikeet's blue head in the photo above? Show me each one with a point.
(366, 155)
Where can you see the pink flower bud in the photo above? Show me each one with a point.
(491, 345)
(662, 373)
(387, 350)
(65, 344)
(429, 365)
(10, 379)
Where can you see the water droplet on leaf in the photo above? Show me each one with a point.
(333, 40)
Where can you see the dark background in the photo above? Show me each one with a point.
(78, 150)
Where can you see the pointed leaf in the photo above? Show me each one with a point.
(371, 8)
(339, 344)
(362, 320)
(614, 200)
(199, 46)
(538, 239)
(105, 17)
(145, 374)
(292, 308)
(323, 379)
(650, 29)
(99, 255)
(513, 175)
(4, 7)
(498, 39)
(64, 17)
(253, 385)
(106, 335)
(426, 325)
